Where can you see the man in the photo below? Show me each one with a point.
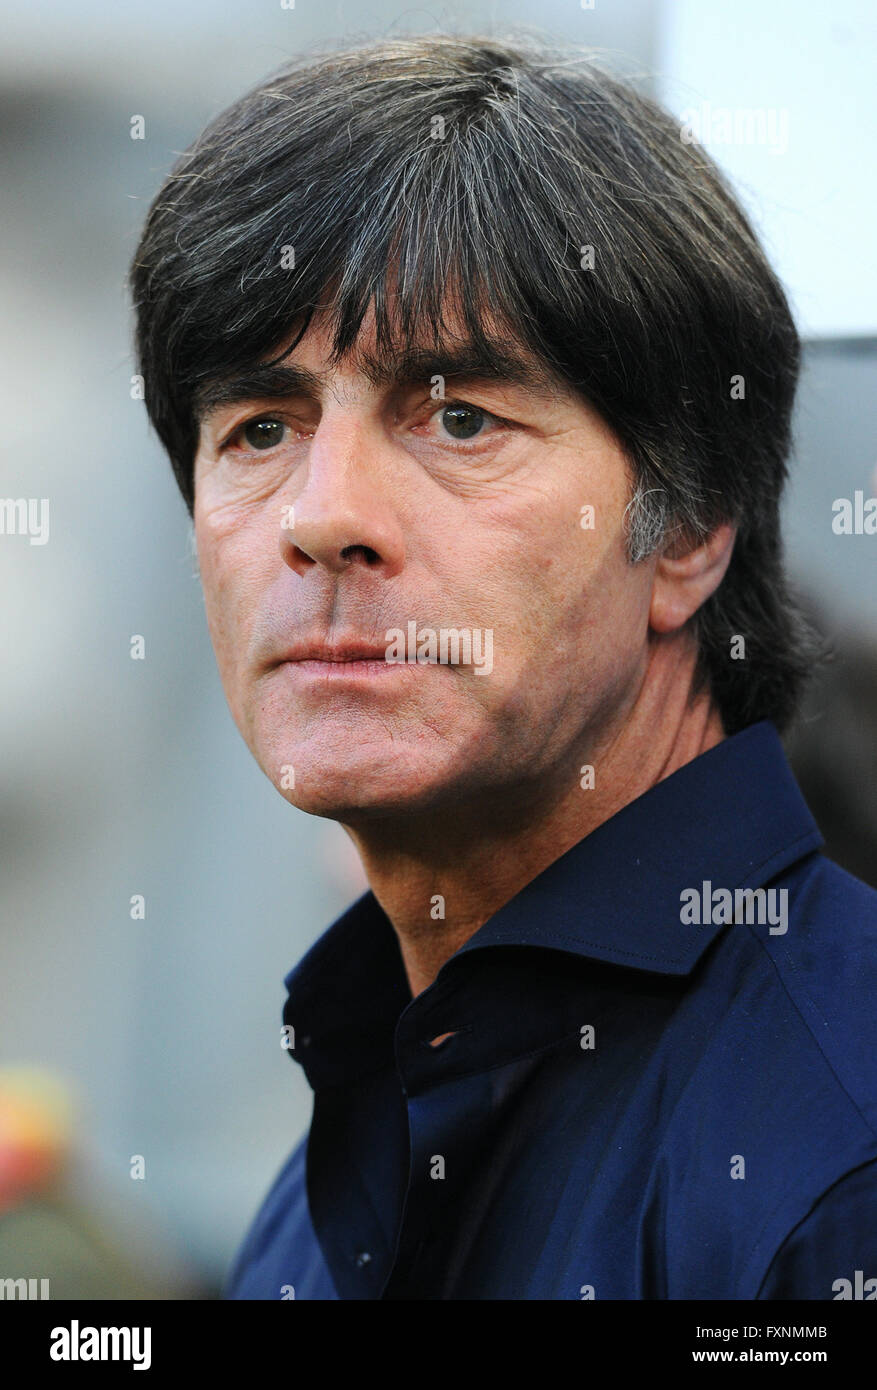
(477, 386)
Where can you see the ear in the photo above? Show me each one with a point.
(686, 576)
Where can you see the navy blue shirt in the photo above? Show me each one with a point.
(657, 1086)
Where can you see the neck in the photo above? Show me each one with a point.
(468, 861)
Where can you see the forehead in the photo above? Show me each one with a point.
(382, 353)
(308, 362)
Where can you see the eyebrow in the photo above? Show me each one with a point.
(255, 383)
(493, 361)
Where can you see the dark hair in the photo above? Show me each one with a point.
(412, 172)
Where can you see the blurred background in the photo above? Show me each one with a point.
(145, 1101)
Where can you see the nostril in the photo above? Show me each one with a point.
(352, 552)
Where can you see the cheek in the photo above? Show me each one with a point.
(562, 581)
(229, 602)
(579, 609)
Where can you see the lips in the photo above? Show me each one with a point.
(349, 665)
(335, 652)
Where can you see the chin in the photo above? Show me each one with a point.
(348, 789)
(350, 807)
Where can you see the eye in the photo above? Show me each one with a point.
(263, 434)
(463, 421)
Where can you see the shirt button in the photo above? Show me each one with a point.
(362, 1259)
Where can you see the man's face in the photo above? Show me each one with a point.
(360, 502)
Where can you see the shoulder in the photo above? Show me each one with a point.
(826, 965)
(832, 1252)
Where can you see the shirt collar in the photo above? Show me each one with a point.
(733, 817)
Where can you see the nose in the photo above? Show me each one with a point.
(345, 514)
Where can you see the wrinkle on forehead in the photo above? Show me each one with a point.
(307, 364)
(447, 349)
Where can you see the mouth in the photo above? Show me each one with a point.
(343, 662)
(335, 654)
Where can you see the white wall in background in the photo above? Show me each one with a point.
(814, 201)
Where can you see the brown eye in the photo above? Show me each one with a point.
(263, 434)
(462, 421)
